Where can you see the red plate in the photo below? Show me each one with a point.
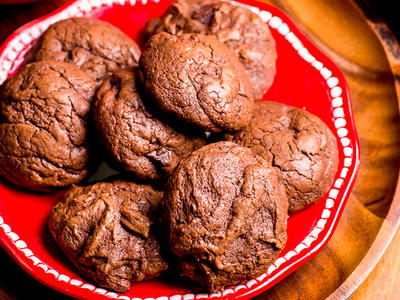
(305, 78)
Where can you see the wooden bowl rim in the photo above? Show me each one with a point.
(391, 222)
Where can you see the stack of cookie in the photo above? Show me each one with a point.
(222, 206)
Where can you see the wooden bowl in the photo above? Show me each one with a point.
(365, 50)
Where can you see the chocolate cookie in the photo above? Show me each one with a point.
(106, 230)
(226, 212)
(198, 79)
(237, 27)
(298, 144)
(137, 139)
(95, 46)
(43, 125)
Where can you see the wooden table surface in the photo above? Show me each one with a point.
(363, 61)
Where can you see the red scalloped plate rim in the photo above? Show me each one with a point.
(12, 245)
(30, 24)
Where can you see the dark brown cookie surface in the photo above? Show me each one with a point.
(198, 79)
(43, 125)
(137, 139)
(226, 213)
(106, 230)
(298, 144)
(93, 45)
(237, 27)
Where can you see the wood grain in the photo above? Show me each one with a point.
(344, 33)
(392, 219)
(379, 285)
(383, 282)
(342, 29)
